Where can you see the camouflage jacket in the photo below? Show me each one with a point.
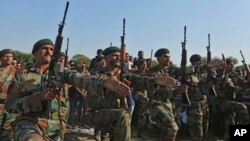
(24, 96)
(6, 78)
(109, 98)
(161, 94)
(225, 89)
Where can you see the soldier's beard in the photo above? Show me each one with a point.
(115, 64)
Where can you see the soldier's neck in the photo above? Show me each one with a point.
(163, 66)
(41, 68)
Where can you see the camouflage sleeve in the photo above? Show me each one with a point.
(23, 100)
(142, 82)
(92, 84)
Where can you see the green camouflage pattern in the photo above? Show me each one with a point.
(6, 78)
(24, 100)
(234, 112)
(162, 109)
(198, 111)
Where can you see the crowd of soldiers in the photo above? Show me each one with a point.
(118, 97)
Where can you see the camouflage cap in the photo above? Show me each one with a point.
(195, 58)
(41, 42)
(5, 51)
(161, 51)
(111, 49)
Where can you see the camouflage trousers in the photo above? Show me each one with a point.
(38, 130)
(164, 116)
(5, 124)
(141, 110)
(234, 113)
(114, 121)
(198, 119)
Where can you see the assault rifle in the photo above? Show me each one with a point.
(211, 91)
(66, 54)
(55, 68)
(244, 63)
(123, 101)
(185, 98)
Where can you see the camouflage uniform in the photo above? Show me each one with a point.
(24, 99)
(6, 77)
(141, 103)
(234, 112)
(197, 112)
(162, 109)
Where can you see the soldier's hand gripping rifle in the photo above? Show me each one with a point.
(123, 101)
(211, 90)
(56, 69)
(185, 97)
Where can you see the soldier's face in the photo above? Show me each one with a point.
(44, 54)
(113, 59)
(164, 60)
(7, 59)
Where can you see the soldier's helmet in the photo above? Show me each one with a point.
(195, 58)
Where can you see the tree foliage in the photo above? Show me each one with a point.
(78, 57)
(23, 57)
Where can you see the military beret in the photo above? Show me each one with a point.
(161, 51)
(195, 57)
(111, 49)
(99, 58)
(99, 51)
(5, 51)
(62, 54)
(41, 42)
(229, 61)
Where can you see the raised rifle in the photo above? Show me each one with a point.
(211, 91)
(66, 54)
(151, 55)
(244, 63)
(185, 97)
(55, 78)
(123, 101)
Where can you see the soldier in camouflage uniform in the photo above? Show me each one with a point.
(160, 98)
(197, 112)
(234, 112)
(114, 102)
(7, 73)
(29, 97)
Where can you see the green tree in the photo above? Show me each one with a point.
(23, 57)
(235, 60)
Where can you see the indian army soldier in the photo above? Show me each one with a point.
(112, 101)
(7, 73)
(141, 116)
(29, 97)
(197, 112)
(234, 112)
(160, 98)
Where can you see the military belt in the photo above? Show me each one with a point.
(2, 101)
